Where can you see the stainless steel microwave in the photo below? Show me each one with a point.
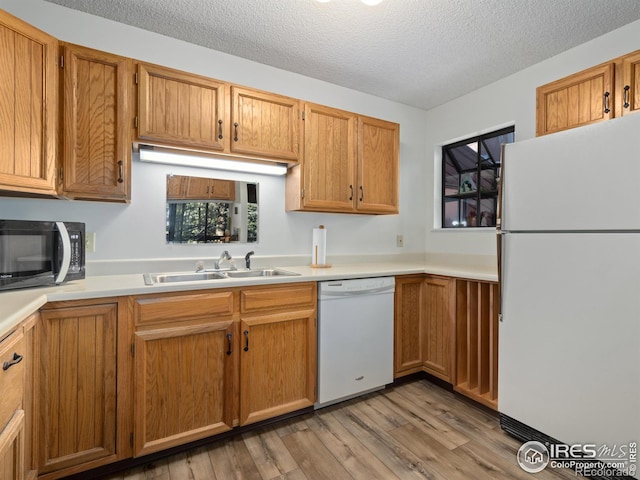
(34, 254)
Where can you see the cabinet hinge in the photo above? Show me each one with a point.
(131, 439)
(61, 174)
(303, 115)
(61, 61)
(133, 349)
(135, 121)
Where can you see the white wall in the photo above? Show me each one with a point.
(137, 230)
(510, 101)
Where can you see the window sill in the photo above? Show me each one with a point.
(466, 229)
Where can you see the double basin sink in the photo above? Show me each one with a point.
(156, 278)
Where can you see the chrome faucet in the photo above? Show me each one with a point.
(247, 260)
(224, 256)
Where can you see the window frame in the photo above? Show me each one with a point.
(479, 193)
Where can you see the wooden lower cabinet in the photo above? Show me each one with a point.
(424, 326)
(185, 356)
(439, 308)
(77, 388)
(278, 356)
(185, 360)
(409, 324)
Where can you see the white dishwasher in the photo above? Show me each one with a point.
(355, 337)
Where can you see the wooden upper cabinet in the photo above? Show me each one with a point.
(328, 170)
(378, 164)
(209, 189)
(630, 85)
(180, 109)
(580, 99)
(28, 96)
(96, 146)
(264, 124)
(350, 164)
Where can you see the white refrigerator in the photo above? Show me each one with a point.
(569, 250)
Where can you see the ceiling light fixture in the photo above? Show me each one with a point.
(149, 154)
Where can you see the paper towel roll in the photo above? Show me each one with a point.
(319, 246)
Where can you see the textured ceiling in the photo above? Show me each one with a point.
(417, 52)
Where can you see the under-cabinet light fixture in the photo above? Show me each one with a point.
(213, 163)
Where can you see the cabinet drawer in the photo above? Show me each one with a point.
(11, 379)
(267, 298)
(173, 308)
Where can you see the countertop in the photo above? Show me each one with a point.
(17, 305)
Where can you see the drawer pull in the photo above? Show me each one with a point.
(246, 336)
(229, 340)
(16, 359)
(625, 96)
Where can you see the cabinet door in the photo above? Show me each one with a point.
(378, 164)
(97, 125)
(77, 383)
(580, 99)
(180, 109)
(28, 96)
(264, 124)
(408, 325)
(12, 448)
(184, 384)
(277, 364)
(631, 83)
(439, 305)
(328, 168)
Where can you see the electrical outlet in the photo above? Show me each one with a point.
(90, 242)
(399, 241)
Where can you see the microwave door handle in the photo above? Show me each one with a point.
(66, 252)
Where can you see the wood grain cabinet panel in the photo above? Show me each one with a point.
(409, 324)
(326, 180)
(12, 448)
(97, 125)
(580, 99)
(439, 327)
(77, 387)
(378, 166)
(180, 109)
(28, 95)
(185, 367)
(350, 164)
(264, 124)
(630, 85)
(277, 356)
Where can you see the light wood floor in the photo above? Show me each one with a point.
(414, 430)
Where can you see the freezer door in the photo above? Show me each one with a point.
(569, 340)
(587, 178)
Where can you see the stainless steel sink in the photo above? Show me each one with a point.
(154, 278)
(261, 272)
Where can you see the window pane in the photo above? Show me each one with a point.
(487, 213)
(451, 214)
